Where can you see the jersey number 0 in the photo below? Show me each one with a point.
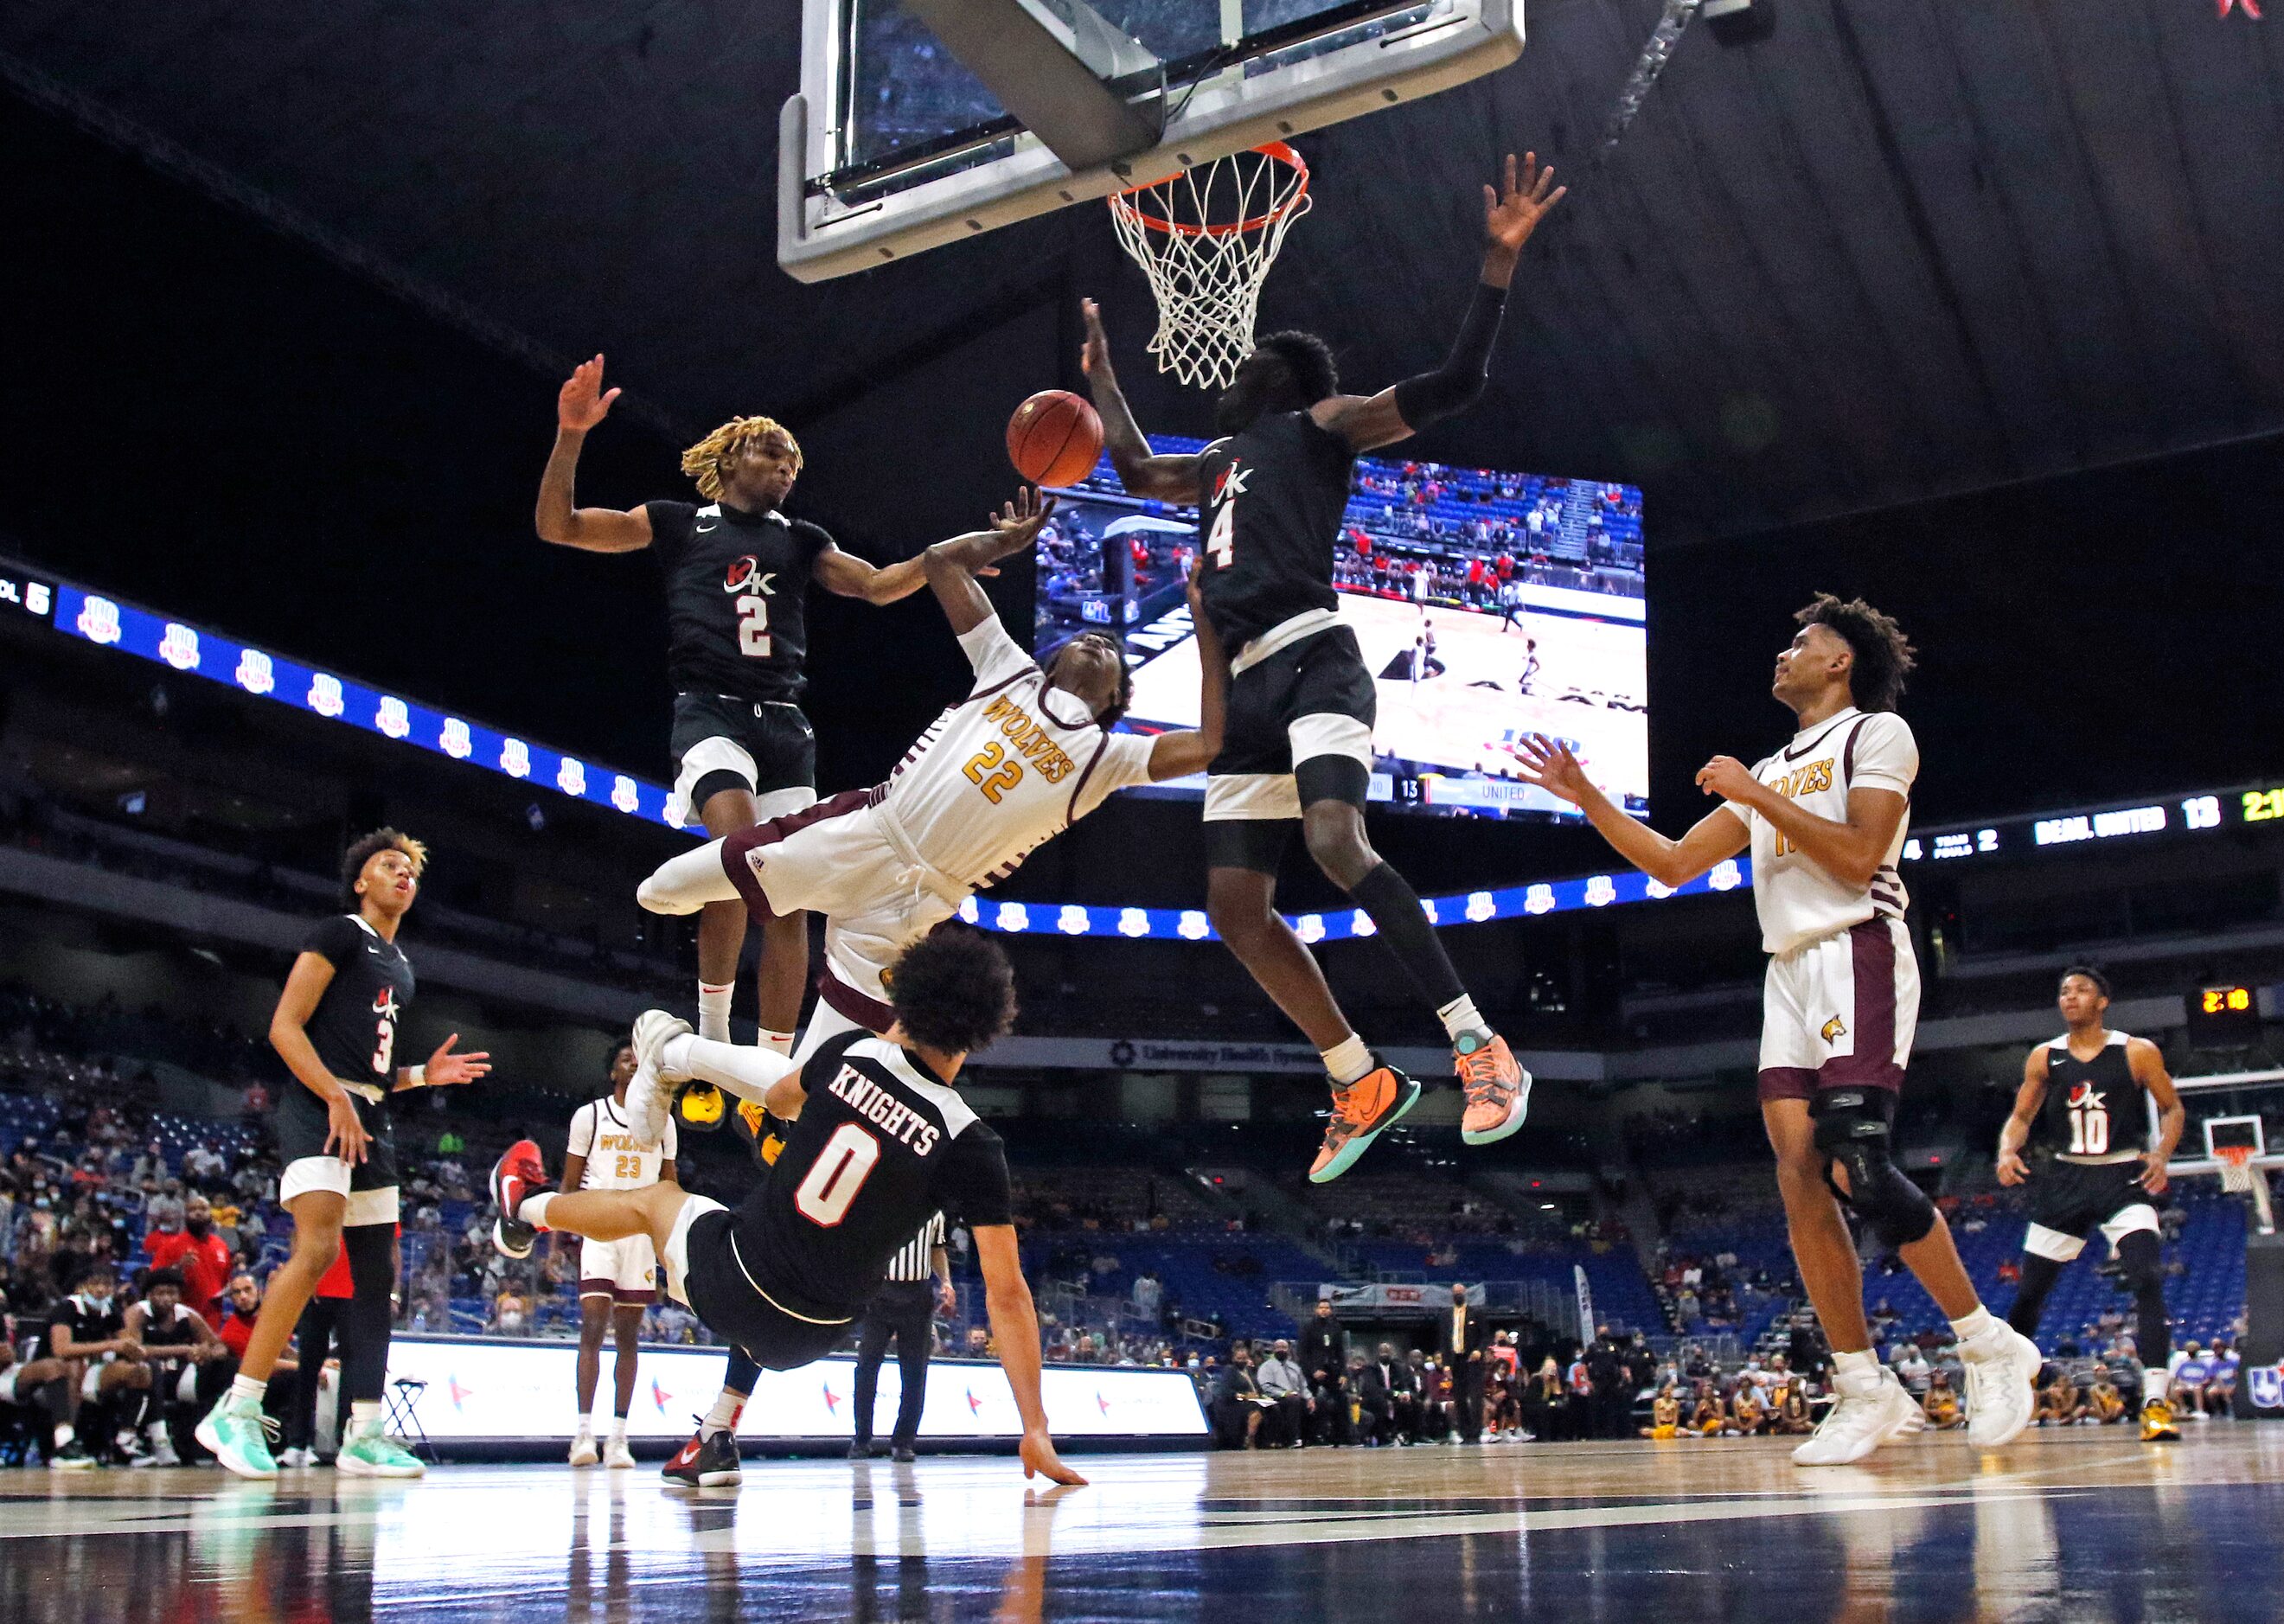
(838, 1173)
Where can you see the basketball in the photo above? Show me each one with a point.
(1053, 438)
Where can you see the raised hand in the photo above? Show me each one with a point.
(1512, 212)
(1094, 355)
(1017, 524)
(582, 401)
(1728, 778)
(1549, 764)
(445, 1067)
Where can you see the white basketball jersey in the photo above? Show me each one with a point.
(615, 1158)
(1007, 769)
(1797, 901)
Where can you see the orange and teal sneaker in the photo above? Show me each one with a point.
(1376, 1101)
(1497, 1088)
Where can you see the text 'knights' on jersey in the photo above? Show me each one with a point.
(881, 1145)
(1797, 901)
(353, 1026)
(1273, 497)
(2095, 1110)
(1007, 769)
(737, 598)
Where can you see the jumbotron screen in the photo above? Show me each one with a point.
(1488, 606)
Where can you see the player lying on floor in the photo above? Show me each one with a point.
(880, 1140)
(1024, 756)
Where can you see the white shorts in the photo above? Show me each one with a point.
(8, 1383)
(625, 1271)
(2062, 1247)
(875, 902)
(678, 1246)
(1839, 1012)
(718, 755)
(311, 1173)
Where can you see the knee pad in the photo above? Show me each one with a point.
(1851, 1129)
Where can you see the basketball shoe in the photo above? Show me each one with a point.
(1860, 1421)
(2157, 1423)
(1361, 1111)
(1497, 1088)
(518, 1175)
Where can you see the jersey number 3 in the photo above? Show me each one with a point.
(838, 1173)
(754, 626)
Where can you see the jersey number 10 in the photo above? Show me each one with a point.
(838, 1173)
(2090, 1131)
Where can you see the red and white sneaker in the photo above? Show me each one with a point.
(518, 1175)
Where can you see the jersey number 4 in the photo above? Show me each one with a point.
(754, 626)
(838, 1173)
(2089, 1131)
(1221, 541)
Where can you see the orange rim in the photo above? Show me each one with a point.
(1275, 150)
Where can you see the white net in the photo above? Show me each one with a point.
(1206, 238)
(2236, 1170)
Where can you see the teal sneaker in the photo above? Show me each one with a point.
(238, 1434)
(374, 1454)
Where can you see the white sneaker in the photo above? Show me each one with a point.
(1858, 1423)
(649, 1100)
(652, 1028)
(619, 1457)
(582, 1448)
(162, 1450)
(298, 1457)
(2002, 1386)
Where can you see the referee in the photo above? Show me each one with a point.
(905, 1308)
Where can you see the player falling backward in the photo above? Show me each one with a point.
(880, 1140)
(738, 573)
(1824, 816)
(1270, 493)
(2082, 1099)
(617, 1279)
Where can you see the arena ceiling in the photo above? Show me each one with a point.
(1901, 248)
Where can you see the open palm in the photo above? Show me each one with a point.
(1512, 212)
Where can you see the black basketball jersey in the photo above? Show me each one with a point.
(89, 1321)
(2093, 1107)
(168, 1330)
(737, 598)
(879, 1147)
(353, 1026)
(1274, 494)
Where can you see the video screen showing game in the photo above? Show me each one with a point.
(1488, 606)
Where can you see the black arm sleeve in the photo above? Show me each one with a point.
(1450, 389)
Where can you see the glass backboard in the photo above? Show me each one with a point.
(892, 147)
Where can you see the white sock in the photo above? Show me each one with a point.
(722, 1417)
(685, 884)
(364, 1418)
(777, 1042)
(1348, 1061)
(64, 1435)
(714, 1011)
(735, 1068)
(586, 1427)
(1459, 1018)
(2154, 1385)
(618, 1429)
(1979, 1323)
(1856, 1372)
(533, 1210)
(247, 1387)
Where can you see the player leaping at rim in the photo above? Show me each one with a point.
(1270, 493)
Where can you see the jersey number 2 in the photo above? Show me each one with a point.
(1221, 541)
(838, 1173)
(754, 626)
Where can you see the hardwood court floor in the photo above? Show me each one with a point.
(2083, 1525)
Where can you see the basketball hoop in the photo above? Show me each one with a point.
(1206, 238)
(2236, 1172)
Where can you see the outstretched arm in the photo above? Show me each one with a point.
(953, 565)
(1015, 1327)
(1143, 472)
(1511, 213)
(846, 575)
(1718, 834)
(1177, 756)
(579, 405)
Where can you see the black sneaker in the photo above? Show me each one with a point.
(904, 1456)
(73, 1457)
(706, 1462)
(860, 1451)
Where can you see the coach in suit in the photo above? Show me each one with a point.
(1389, 1396)
(904, 1309)
(1462, 1336)
(1325, 1367)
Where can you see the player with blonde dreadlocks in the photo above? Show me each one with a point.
(737, 574)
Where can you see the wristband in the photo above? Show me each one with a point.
(416, 1077)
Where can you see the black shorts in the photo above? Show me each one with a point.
(734, 1306)
(300, 1123)
(2070, 1201)
(721, 743)
(1310, 699)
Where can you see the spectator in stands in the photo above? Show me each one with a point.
(186, 1358)
(1387, 1398)
(2103, 1402)
(1911, 1369)
(511, 1312)
(1324, 1364)
(2220, 1386)
(2059, 1402)
(203, 1165)
(1283, 1383)
(1709, 1416)
(1460, 1336)
(1433, 1380)
(1148, 1293)
(102, 1394)
(1238, 1404)
(164, 1209)
(199, 1255)
(1792, 1416)
(150, 1169)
